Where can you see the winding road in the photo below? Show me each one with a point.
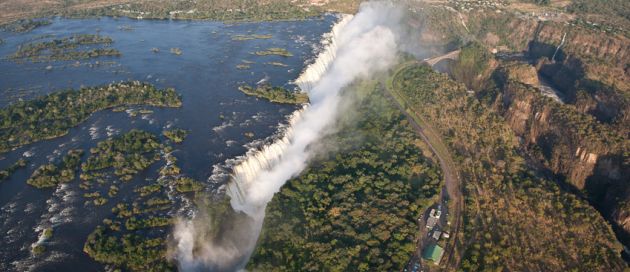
(452, 179)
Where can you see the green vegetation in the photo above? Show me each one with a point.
(113, 191)
(186, 185)
(243, 66)
(134, 223)
(176, 135)
(472, 66)
(147, 190)
(154, 201)
(38, 249)
(50, 175)
(222, 10)
(52, 115)
(538, 2)
(99, 201)
(604, 7)
(134, 238)
(176, 50)
(128, 154)
(274, 51)
(131, 251)
(275, 94)
(505, 203)
(7, 172)
(241, 37)
(26, 25)
(68, 48)
(356, 209)
(279, 64)
(48, 233)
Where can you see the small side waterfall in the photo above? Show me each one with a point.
(316, 70)
(553, 58)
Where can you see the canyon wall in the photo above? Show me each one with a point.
(590, 156)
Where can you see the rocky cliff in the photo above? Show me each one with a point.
(588, 155)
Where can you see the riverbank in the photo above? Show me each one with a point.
(227, 11)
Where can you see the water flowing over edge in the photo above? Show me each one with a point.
(318, 68)
(258, 160)
(245, 170)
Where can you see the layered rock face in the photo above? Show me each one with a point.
(584, 141)
(588, 155)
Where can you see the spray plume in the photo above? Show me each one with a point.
(357, 47)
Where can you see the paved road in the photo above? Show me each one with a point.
(452, 180)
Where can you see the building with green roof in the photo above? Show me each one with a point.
(434, 253)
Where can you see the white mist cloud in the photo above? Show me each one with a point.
(365, 45)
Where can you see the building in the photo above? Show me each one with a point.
(436, 235)
(436, 213)
(434, 218)
(431, 222)
(433, 253)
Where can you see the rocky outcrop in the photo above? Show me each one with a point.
(523, 73)
(605, 103)
(590, 156)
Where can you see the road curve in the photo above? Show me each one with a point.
(452, 179)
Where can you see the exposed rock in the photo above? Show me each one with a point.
(523, 73)
(590, 156)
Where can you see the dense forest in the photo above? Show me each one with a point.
(354, 209)
(52, 115)
(511, 213)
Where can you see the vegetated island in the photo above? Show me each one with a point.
(241, 37)
(134, 236)
(176, 135)
(52, 115)
(7, 172)
(274, 51)
(223, 10)
(49, 175)
(275, 94)
(80, 46)
(26, 25)
(127, 154)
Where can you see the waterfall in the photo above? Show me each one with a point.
(357, 47)
(316, 70)
(258, 161)
(553, 58)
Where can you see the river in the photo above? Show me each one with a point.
(216, 114)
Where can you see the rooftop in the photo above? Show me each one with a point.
(434, 253)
